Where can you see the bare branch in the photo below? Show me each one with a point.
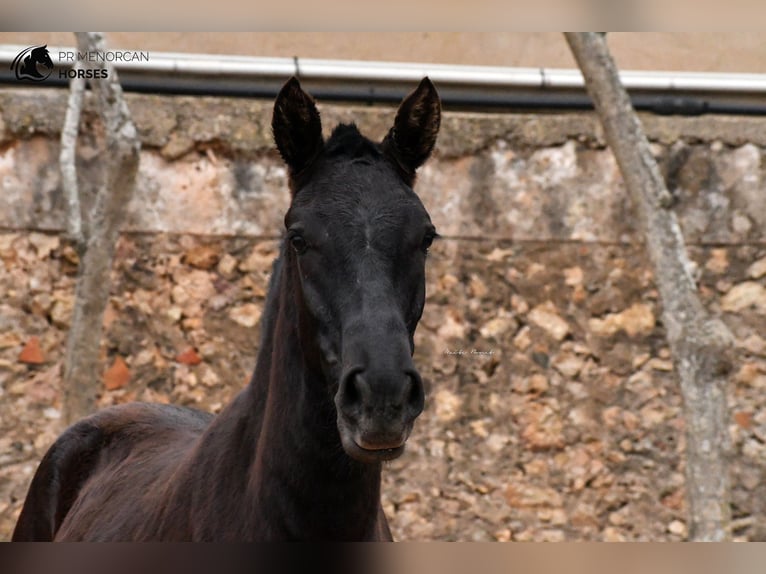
(67, 162)
(701, 344)
(121, 137)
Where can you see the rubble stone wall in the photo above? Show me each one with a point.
(553, 412)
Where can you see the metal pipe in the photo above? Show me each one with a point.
(477, 86)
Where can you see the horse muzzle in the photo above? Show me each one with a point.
(376, 412)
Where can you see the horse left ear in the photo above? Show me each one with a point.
(296, 126)
(413, 136)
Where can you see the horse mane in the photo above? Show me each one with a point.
(347, 141)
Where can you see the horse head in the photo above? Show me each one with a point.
(358, 239)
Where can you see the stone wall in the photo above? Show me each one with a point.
(552, 412)
(209, 167)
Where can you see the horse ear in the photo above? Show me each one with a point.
(413, 136)
(296, 126)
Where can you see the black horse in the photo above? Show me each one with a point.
(25, 64)
(297, 455)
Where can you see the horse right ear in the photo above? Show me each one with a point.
(413, 136)
(296, 126)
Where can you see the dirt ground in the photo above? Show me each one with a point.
(552, 411)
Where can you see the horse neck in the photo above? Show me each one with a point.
(303, 483)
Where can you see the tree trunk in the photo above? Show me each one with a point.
(700, 344)
(82, 375)
(67, 160)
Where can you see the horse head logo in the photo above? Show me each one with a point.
(25, 64)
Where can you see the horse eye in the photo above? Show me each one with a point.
(427, 241)
(299, 244)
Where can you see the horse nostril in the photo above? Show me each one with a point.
(352, 392)
(416, 394)
(353, 396)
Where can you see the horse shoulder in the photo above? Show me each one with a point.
(57, 482)
(129, 442)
